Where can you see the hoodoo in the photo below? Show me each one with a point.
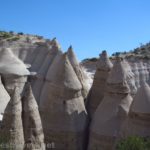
(10, 64)
(13, 70)
(34, 137)
(98, 88)
(79, 71)
(139, 116)
(62, 107)
(12, 127)
(111, 113)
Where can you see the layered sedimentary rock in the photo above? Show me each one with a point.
(12, 127)
(12, 81)
(62, 107)
(4, 98)
(142, 73)
(33, 132)
(112, 112)
(138, 123)
(14, 71)
(79, 71)
(146, 71)
(136, 74)
(98, 88)
(39, 82)
(130, 78)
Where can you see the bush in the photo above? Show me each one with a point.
(5, 35)
(116, 54)
(134, 143)
(11, 32)
(13, 38)
(20, 33)
(90, 59)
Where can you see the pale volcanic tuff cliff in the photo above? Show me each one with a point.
(46, 98)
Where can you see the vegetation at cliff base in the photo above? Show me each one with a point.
(134, 143)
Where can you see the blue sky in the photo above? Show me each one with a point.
(90, 26)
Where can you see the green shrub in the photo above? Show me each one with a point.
(13, 38)
(20, 33)
(11, 32)
(93, 59)
(134, 143)
(5, 35)
(90, 59)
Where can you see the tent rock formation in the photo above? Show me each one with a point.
(12, 127)
(98, 88)
(62, 98)
(112, 112)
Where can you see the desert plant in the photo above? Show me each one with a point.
(5, 35)
(134, 143)
(20, 33)
(13, 38)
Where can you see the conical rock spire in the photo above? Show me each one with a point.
(61, 97)
(117, 80)
(12, 127)
(10, 64)
(104, 62)
(34, 137)
(55, 44)
(79, 71)
(112, 112)
(141, 103)
(63, 74)
(138, 120)
(98, 88)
